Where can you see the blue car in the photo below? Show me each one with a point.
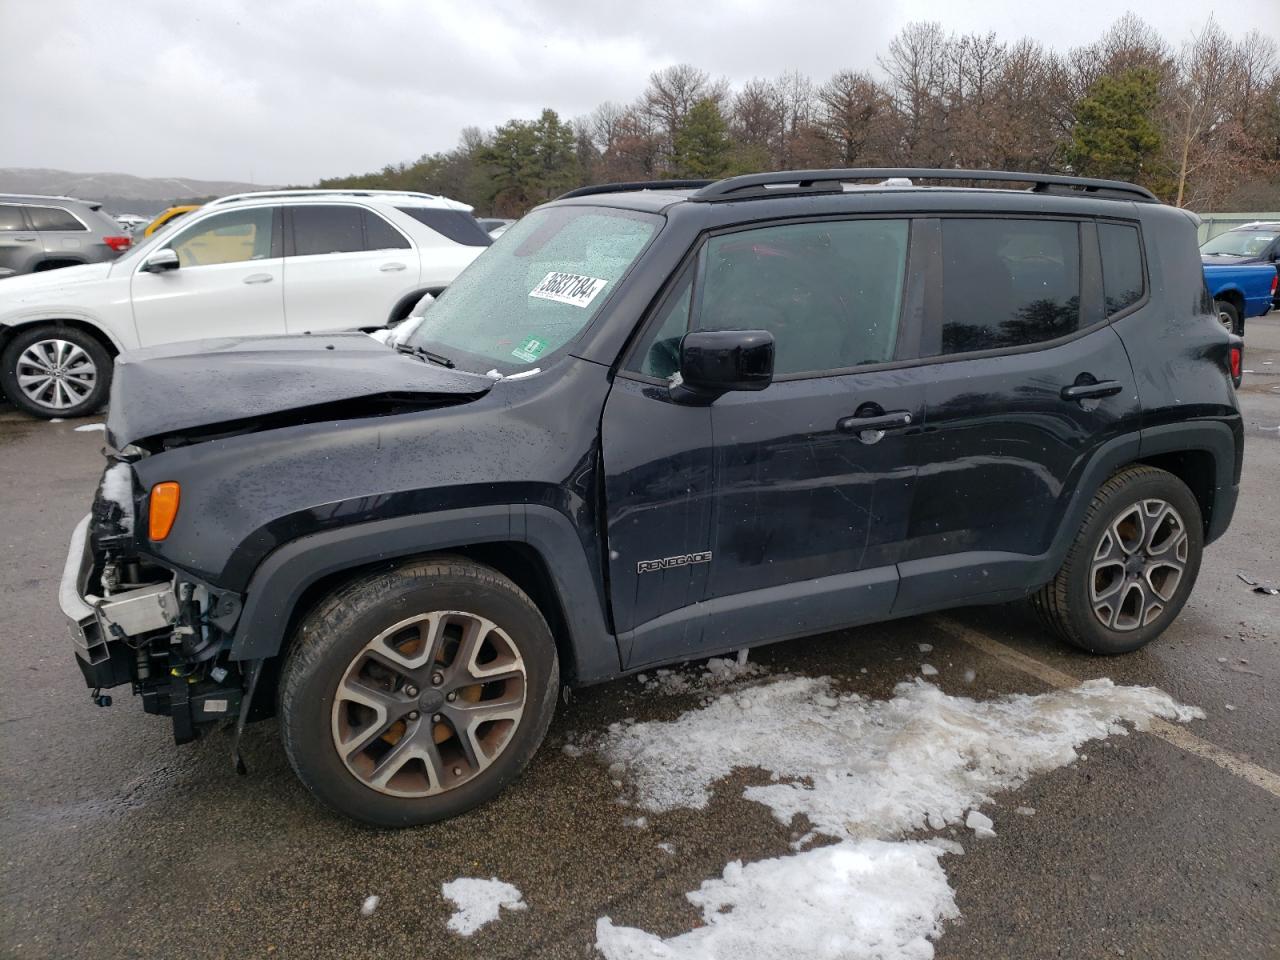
(1240, 270)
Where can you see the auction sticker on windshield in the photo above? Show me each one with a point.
(530, 349)
(568, 288)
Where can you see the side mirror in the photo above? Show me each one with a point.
(714, 362)
(161, 260)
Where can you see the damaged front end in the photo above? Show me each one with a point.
(135, 621)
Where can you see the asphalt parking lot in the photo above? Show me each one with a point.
(116, 843)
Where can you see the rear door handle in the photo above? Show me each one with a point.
(258, 278)
(24, 239)
(390, 267)
(871, 428)
(1092, 391)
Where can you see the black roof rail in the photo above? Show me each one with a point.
(637, 185)
(831, 181)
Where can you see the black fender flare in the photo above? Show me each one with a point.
(283, 577)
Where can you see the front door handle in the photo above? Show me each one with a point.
(884, 421)
(258, 278)
(1092, 391)
(24, 239)
(390, 267)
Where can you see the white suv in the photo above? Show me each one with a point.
(256, 263)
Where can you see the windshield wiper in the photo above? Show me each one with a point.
(423, 353)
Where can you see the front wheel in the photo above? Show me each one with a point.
(53, 371)
(416, 694)
(1131, 567)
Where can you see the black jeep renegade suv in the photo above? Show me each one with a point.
(656, 422)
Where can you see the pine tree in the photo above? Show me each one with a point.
(1117, 133)
(702, 144)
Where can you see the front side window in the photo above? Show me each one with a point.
(1121, 265)
(11, 218)
(1008, 283)
(54, 218)
(829, 292)
(231, 237)
(537, 288)
(327, 229)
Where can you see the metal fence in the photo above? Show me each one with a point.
(1213, 224)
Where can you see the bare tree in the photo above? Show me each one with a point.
(854, 112)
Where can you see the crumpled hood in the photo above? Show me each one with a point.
(201, 384)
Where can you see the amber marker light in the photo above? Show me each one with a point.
(163, 509)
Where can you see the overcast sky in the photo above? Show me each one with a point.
(287, 91)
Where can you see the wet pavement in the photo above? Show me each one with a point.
(116, 843)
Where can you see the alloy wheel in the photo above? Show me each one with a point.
(429, 703)
(1138, 565)
(56, 374)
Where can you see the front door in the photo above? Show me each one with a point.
(810, 479)
(228, 283)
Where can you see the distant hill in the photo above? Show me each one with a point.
(118, 192)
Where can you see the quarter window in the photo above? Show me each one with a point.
(829, 292)
(1121, 265)
(231, 237)
(11, 218)
(327, 229)
(1008, 283)
(53, 218)
(659, 350)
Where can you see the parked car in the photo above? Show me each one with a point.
(653, 424)
(46, 233)
(168, 216)
(1240, 291)
(130, 221)
(495, 226)
(1257, 242)
(260, 263)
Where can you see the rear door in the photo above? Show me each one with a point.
(19, 244)
(345, 267)
(62, 235)
(228, 283)
(795, 516)
(1029, 382)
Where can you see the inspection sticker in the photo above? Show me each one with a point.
(568, 288)
(530, 349)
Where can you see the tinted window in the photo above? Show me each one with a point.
(11, 218)
(380, 235)
(53, 218)
(1121, 265)
(458, 225)
(327, 230)
(830, 292)
(1006, 283)
(230, 237)
(659, 351)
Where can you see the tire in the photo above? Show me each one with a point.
(1229, 317)
(1094, 601)
(84, 364)
(338, 688)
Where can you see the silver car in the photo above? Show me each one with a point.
(44, 233)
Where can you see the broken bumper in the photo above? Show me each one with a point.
(100, 626)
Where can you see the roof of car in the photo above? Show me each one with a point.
(37, 198)
(405, 198)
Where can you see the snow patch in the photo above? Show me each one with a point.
(860, 768)
(925, 647)
(117, 488)
(980, 824)
(928, 670)
(864, 899)
(717, 673)
(479, 901)
(90, 427)
(370, 904)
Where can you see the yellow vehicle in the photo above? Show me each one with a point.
(173, 213)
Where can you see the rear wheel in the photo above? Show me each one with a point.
(52, 371)
(1229, 317)
(1131, 567)
(418, 693)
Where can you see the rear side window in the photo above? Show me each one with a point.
(11, 218)
(327, 229)
(1121, 265)
(53, 218)
(456, 225)
(1008, 283)
(829, 292)
(380, 235)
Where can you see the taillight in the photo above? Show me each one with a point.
(162, 509)
(1274, 281)
(118, 244)
(1236, 363)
